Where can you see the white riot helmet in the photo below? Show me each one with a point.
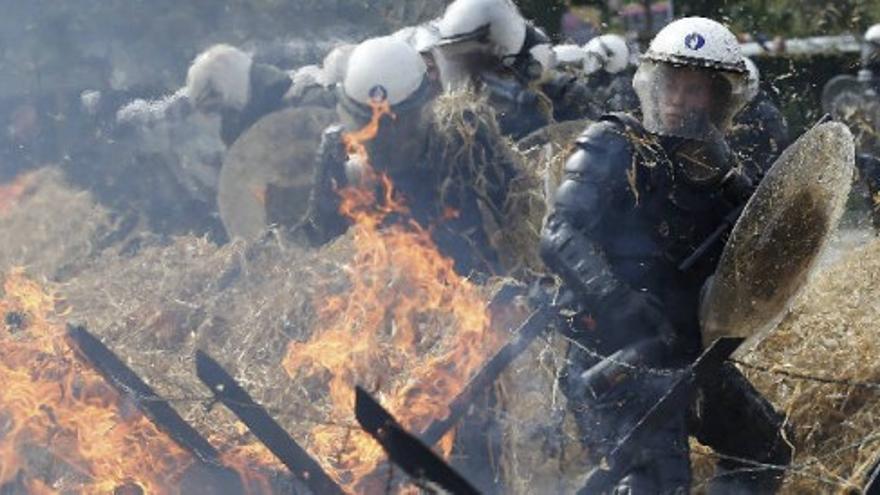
(493, 25)
(219, 78)
(692, 80)
(384, 69)
(754, 79)
(388, 70)
(871, 51)
(569, 55)
(608, 52)
(335, 62)
(872, 35)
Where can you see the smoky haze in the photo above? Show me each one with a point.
(51, 52)
(116, 227)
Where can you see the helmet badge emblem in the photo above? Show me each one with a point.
(378, 93)
(694, 41)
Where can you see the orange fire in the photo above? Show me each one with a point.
(56, 410)
(12, 192)
(409, 327)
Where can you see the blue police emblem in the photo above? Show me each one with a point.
(694, 41)
(378, 93)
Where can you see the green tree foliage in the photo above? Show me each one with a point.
(788, 18)
(544, 13)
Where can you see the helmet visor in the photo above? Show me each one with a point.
(688, 102)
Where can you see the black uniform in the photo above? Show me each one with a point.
(631, 207)
(759, 135)
(614, 92)
(577, 97)
(572, 98)
(267, 89)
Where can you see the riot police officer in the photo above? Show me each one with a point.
(411, 149)
(870, 56)
(638, 197)
(595, 79)
(226, 80)
(855, 101)
(448, 184)
(487, 45)
(609, 73)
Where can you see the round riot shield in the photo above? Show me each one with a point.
(268, 172)
(780, 236)
(841, 93)
(856, 105)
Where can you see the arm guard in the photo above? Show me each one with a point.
(577, 260)
(581, 200)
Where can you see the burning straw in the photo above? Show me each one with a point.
(55, 411)
(379, 307)
(408, 325)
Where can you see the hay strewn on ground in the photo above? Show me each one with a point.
(243, 303)
(831, 332)
(51, 228)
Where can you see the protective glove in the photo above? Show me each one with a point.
(637, 317)
(622, 365)
(712, 164)
(705, 162)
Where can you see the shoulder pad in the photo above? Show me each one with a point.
(602, 148)
(625, 120)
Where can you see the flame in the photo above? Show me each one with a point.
(51, 401)
(410, 326)
(12, 192)
(54, 404)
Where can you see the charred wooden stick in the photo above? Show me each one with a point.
(260, 423)
(527, 332)
(127, 383)
(404, 449)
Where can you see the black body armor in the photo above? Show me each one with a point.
(632, 206)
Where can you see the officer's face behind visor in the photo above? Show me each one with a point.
(683, 101)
